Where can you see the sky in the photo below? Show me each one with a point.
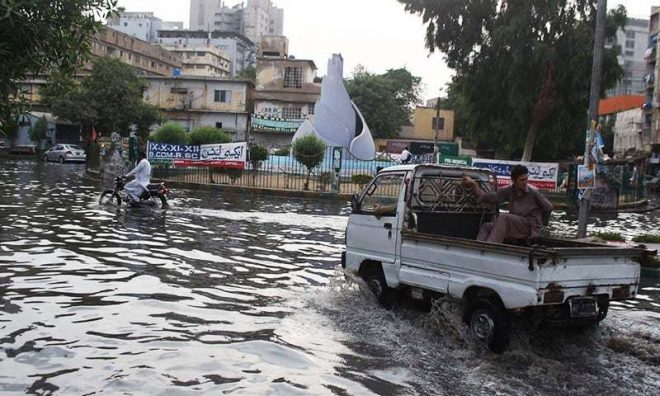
(377, 34)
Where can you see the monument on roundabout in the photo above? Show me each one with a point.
(337, 120)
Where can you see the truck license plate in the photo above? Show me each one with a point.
(583, 307)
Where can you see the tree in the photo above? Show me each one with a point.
(386, 101)
(36, 36)
(249, 73)
(172, 133)
(309, 151)
(258, 154)
(109, 99)
(522, 69)
(208, 135)
(38, 131)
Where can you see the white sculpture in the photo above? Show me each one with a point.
(337, 121)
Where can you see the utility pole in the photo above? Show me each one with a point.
(437, 130)
(594, 98)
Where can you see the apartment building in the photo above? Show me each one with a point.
(285, 95)
(194, 101)
(236, 48)
(203, 61)
(256, 19)
(142, 25)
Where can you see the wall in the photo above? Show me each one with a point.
(626, 131)
(423, 128)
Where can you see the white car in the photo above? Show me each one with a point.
(65, 153)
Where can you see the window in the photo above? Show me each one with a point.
(630, 35)
(218, 125)
(293, 77)
(291, 113)
(125, 23)
(630, 53)
(201, 54)
(310, 108)
(630, 44)
(222, 96)
(178, 90)
(383, 191)
(441, 126)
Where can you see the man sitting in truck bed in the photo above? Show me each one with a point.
(527, 209)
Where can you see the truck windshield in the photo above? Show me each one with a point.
(384, 190)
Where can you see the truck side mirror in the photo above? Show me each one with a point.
(355, 204)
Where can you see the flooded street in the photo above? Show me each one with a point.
(244, 295)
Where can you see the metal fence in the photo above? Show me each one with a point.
(286, 173)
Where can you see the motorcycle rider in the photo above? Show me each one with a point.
(142, 173)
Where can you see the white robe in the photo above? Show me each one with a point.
(142, 174)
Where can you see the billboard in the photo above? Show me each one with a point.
(225, 155)
(541, 174)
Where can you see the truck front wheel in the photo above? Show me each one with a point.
(375, 280)
(490, 325)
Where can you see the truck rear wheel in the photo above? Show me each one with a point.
(375, 280)
(489, 324)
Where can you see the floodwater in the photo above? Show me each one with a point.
(243, 295)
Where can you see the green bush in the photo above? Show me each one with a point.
(309, 151)
(609, 236)
(647, 238)
(283, 151)
(209, 135)
(361, 180)
(172, 133)
(258, 154)
(38, 131)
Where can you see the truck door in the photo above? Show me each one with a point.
(374, 229)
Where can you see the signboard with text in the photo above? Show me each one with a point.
(225, 155)
(459, 160)
(541, 174)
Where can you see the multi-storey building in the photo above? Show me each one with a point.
(651, 116)
(257, 19)
(202, 61)
(285, 95)
(194, 101)
(146, 58)
(238, 49)
(143, 25)
(633, 40)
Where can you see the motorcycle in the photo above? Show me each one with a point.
(155, 193)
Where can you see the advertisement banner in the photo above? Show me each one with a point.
(172, 152)
(586, 178)
(395, 146)
(225, 155)
(541, 174)
(267, 123)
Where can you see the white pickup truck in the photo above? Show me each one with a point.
(425, 244)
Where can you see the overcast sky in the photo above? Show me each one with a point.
(377, 34)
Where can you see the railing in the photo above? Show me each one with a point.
(286, 173)
(282, 173)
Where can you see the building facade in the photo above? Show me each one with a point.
(421, 134)
(285, 95)
(202, 61)
(256, 19)
(203, 101)
(238, 49)
(146, 58)
(650, 133)
(633, 40)
(143, 25)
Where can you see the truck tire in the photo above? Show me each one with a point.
(375, 280)
(489, 324)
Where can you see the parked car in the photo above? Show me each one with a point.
(65, 153)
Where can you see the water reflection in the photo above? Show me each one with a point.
(227, 294)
